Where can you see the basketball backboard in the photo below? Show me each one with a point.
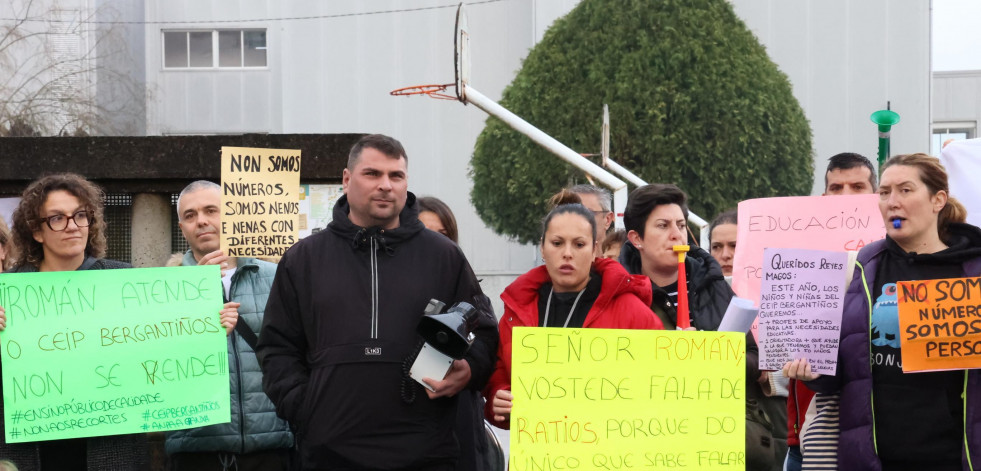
(461, 42)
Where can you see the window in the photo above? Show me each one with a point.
(196, 49)
(943, 132)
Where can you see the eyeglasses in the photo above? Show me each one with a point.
(59, 222)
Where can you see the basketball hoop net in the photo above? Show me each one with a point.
(434, 91)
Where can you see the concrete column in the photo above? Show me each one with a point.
(151, 229)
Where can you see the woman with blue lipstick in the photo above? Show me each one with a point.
(891, 420)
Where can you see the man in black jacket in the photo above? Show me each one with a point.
(340, 327)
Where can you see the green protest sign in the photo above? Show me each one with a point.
(107, 352)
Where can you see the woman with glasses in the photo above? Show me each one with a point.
(59, 226)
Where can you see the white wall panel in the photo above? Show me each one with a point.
(847, 59)
(546, 12)
(956, 97)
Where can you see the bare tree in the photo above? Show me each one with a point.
(66, 69)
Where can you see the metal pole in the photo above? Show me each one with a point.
(619, 170)
(885, 120)
(618, 186)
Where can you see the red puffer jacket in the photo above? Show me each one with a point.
(623, 303)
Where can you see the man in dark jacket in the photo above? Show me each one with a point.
(340, 327)
(255, 439)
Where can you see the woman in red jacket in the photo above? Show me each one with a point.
(573, 289)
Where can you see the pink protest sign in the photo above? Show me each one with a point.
(835, 223)
(801, 300)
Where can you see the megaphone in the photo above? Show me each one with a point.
(452, 332)
(885, 119)
(447, 337)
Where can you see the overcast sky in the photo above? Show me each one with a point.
(956, 35)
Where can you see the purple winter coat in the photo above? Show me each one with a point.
(856, 448)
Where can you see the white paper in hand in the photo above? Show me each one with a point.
(739, 315)
(430, 364)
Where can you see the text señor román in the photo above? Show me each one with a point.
(560, 348)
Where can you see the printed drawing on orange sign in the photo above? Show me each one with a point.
(940, 324)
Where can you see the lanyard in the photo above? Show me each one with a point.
(548, 306)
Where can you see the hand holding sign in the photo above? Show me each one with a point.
(219, 258)
(503, 401)
(260, 201)
(228, 316)
(940, 324)
(799, 369)
(106, 352)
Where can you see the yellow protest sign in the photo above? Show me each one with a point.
(260, 203)
(939, 323)
(627, 399)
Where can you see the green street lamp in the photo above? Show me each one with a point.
(885, 119)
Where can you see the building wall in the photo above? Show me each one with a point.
(847, 59)
(121, 80)
(957, 100)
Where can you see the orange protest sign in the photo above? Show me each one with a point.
(939, 323)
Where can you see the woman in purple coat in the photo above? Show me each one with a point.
(892, 420)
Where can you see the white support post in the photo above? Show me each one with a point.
(619, 170)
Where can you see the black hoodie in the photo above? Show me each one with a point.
(340, 325)
(918, 416)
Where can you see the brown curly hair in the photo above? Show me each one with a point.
(6, 242)
(27, 216)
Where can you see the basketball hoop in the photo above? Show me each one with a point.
(434, 91)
